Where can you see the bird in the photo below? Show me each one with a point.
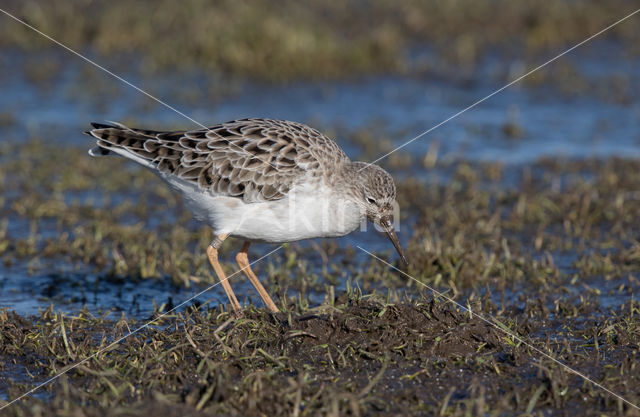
(260, 180)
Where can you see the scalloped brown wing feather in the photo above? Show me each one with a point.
(252, 159)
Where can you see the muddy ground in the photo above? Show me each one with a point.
(359, 357)
(546, 253)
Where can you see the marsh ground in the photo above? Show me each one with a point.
(523, 209)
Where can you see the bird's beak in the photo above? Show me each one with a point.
(387, 225)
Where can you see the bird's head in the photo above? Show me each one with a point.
(375, 194)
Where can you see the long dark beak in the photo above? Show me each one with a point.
(387, 226)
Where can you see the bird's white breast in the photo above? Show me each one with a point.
(308, 211)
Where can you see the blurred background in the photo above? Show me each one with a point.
(105, 234)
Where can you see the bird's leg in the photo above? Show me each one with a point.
(243, 262)
(212, 254)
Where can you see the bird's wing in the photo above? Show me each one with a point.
(253, 159)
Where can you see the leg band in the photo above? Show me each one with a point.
(216, 242)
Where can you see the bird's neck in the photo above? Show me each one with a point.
(347, 178)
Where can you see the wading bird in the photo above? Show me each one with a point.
(260, 180)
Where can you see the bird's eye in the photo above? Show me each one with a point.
(371, 200)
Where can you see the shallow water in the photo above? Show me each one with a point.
(517, 126)
(554, 119)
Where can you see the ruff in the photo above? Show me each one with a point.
(260, 180)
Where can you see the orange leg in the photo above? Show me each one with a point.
(243, 262)
(212, 254)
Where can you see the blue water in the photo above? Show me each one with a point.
(554, 120)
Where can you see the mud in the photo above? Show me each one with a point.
(358, 357)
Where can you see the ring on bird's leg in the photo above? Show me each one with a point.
(212, 254)
(217, 242)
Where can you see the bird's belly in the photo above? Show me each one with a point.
(306, 213)
(293, 219)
